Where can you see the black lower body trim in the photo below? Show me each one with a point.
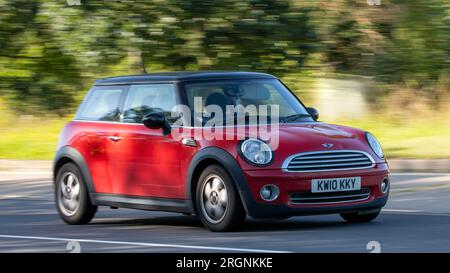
(144, 203)
(257, 210)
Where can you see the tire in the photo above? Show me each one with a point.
(217, 200)
(355, 217)
(71, 196)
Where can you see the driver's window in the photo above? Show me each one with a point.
(145, 99)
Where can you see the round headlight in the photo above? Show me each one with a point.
(375, 145)
(256, 152)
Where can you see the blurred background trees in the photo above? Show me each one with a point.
(51, 51)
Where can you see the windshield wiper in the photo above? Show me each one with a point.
(294, 117)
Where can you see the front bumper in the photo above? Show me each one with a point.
(269, 210)
(290, 183)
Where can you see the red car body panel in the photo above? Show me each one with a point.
(142, 163)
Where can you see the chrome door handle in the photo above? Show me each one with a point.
(114, 138)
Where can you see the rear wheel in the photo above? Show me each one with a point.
(217, 199)
(356, 217)
(71, 196)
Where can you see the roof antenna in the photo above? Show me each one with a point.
(143, 62)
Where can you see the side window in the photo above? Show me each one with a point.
(102, 104)
(145, 99)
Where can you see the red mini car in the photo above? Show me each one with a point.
(170, 142)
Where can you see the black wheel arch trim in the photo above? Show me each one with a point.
(73, 155)
(227, 161)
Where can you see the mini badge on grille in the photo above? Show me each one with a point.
(327, 145)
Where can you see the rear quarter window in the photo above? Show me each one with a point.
(102, 104)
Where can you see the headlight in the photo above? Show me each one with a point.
(375, 145)
(256, 152)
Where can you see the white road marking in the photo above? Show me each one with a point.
(412, 199)
(11, 196)
(25, 172)
(144, 244)
(415, 212)
(401, 210)
(418, 174)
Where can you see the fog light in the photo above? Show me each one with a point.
(384, 185)
(269, 192)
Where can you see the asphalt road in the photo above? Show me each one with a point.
(416, 219)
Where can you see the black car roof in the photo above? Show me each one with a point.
(182, 76)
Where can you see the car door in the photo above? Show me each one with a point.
(143, 161)
(96, 115)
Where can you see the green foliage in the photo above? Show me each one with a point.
(418, 53)
(51, 52)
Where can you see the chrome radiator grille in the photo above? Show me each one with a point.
(328, 161)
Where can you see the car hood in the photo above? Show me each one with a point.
(317, 136)
(312, 136)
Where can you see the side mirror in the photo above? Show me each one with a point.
(314, 113)
(157, 120)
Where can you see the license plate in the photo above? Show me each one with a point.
(336, 184)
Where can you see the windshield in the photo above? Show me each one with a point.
(221, 99)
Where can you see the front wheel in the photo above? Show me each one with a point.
(218, 202)
(355, 217)
(71, 196)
